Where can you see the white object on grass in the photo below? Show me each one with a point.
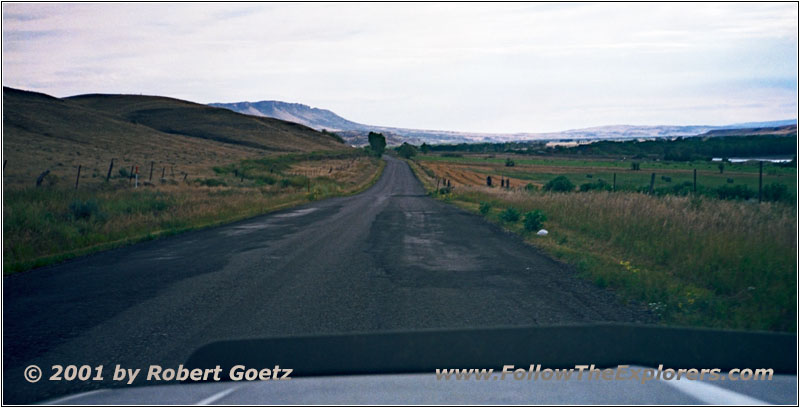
(542, 232)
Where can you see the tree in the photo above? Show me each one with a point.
(425, 148)
(406, 150)
(377, 143)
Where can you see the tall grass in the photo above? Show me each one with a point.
(695, 261)
(46, 225)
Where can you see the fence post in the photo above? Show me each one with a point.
(78, 178)
(695, 181)
(614, 185)
(760, 175)
(152, 163)
(41, 177)
(110, 166)
(652, 181)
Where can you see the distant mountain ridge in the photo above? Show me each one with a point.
(293, 112)
(356, 133)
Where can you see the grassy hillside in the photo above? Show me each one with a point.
(198, 166)
(174, 116)
(45, 133)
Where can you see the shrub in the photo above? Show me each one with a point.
(123, 172)
(510, 163)
(485, 207)
(406, 150)
(210, 182)
(531, 187)
(84, 209)
(776, 192)
(534, 220)
(559, 184)
(262, 180)
(600, 184)
(736, 192)
(510, 214)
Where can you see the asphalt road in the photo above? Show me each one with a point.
(389, 258)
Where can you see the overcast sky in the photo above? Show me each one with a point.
(469, 67)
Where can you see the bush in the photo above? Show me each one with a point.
(84, 209)
(600, 184)
(123, 172)
(485, 207)
(534, 220)
(736, 192)
(406, 150)
(510, 214)
(776, 192)
(210, 182)
(531, 187)
(509, 163)
(559, 184)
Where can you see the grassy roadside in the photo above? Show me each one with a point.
(48, 225)
(695, 261)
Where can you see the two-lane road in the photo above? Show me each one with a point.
(389, 258)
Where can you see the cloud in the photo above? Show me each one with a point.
(483, 67)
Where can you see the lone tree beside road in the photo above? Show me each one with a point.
(377, 143)
(406, 150)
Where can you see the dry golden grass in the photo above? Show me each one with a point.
(49, 224)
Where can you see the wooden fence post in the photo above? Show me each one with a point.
(614, 185)
(110, 166)
(41, 177)
(760, 175)
(652, 181)
(695, 181)
(152, 163)
(78, 178)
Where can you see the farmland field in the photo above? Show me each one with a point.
(693, 258)
(473, 170)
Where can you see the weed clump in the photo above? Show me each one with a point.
(534, 220)
(510, 214)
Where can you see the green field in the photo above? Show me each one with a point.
(691, 259)
(540, 170)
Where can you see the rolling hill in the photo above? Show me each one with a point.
(356, 133)
(46, 133)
